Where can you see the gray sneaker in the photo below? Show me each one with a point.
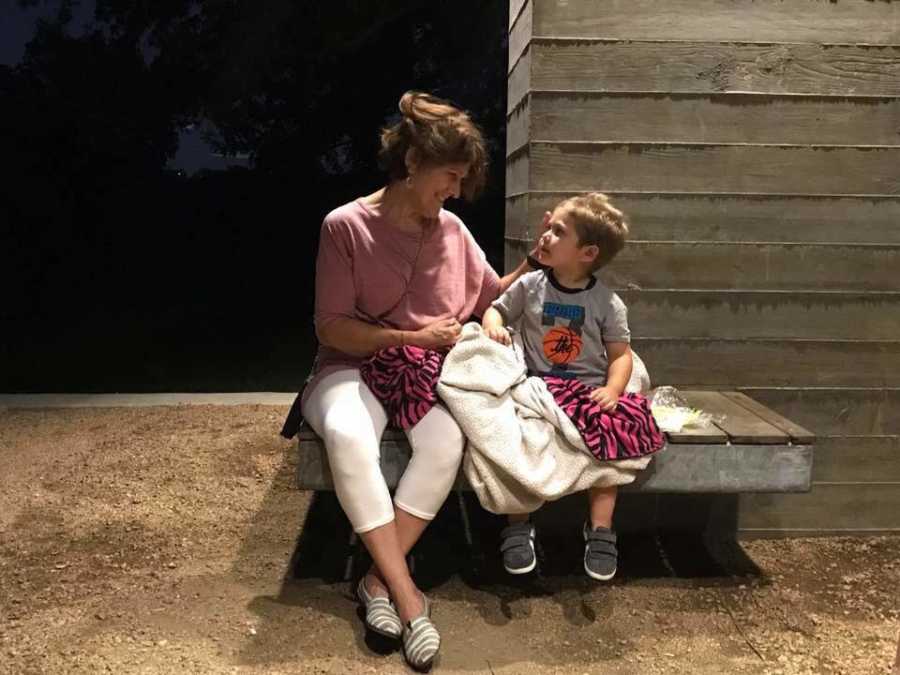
(517, 547)
(600, 553)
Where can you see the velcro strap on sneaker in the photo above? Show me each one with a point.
(601, 547)
(515, 541)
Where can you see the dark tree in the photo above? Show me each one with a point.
(129, 274)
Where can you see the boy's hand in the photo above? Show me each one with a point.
(606, 397)
(498, 334)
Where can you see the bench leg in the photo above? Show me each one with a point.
(348, 567)
(467, 527)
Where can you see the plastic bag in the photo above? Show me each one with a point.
(672, 413)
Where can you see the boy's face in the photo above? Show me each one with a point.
(559, 245)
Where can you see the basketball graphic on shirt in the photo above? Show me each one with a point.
(561, 345)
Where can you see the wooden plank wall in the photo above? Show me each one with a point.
(756, 148)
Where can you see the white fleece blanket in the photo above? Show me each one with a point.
(522, 449)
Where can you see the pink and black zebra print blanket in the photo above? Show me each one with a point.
(404, 380)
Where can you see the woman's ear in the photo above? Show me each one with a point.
(412, 161)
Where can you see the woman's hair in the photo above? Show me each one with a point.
(438, 133)
(597, 222)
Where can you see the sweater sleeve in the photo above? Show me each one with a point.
(335, 288)
(483, 280)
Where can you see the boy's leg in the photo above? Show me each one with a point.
(600, 553)
(602, 503)
(517, 544)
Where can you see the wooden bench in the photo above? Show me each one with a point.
(753, 449)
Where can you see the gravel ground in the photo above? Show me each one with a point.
(171, 539)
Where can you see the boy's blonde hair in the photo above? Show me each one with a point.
(597, 223)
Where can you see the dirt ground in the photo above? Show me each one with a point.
(161, 540)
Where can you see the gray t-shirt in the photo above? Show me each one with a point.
(563, 329)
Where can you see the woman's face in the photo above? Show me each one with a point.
(433, 185)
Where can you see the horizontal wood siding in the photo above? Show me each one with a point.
(755, 148)
(713, 118)
(826, 509)
(520, 34)
(705, 67)
(835, 411)
(763, 314)
(728, 217)
(755, 266)
(685, 167)
(519, 81)
(857, 459)
(769, 362)
(515, 7)
(846, 21)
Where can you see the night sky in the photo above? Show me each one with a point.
(16, 30)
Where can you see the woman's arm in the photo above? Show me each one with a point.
(524, 267)
(506, 282)
(359, 338)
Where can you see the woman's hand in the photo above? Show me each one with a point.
(606, 397)
(544, 226)
(441, 333)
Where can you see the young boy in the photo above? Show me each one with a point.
(572, 326)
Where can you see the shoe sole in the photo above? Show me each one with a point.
(600, 577)
(378, 631)
(522, 570)
(390, 636)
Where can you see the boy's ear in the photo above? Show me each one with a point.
(590, 252)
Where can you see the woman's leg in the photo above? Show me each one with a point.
(350, 421)
(437, 445)
(343, 411)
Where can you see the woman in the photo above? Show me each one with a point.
(394, 268)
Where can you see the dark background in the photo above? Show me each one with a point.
(167, 165)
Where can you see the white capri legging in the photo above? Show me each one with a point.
(346, 415)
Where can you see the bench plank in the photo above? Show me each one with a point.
(797, 433)
(741, 425)
(697, 434)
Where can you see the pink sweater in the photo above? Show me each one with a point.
(369, 270)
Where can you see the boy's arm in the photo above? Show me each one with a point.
(620, 364)
(617, 375)
(492, 323)
(507, 308)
